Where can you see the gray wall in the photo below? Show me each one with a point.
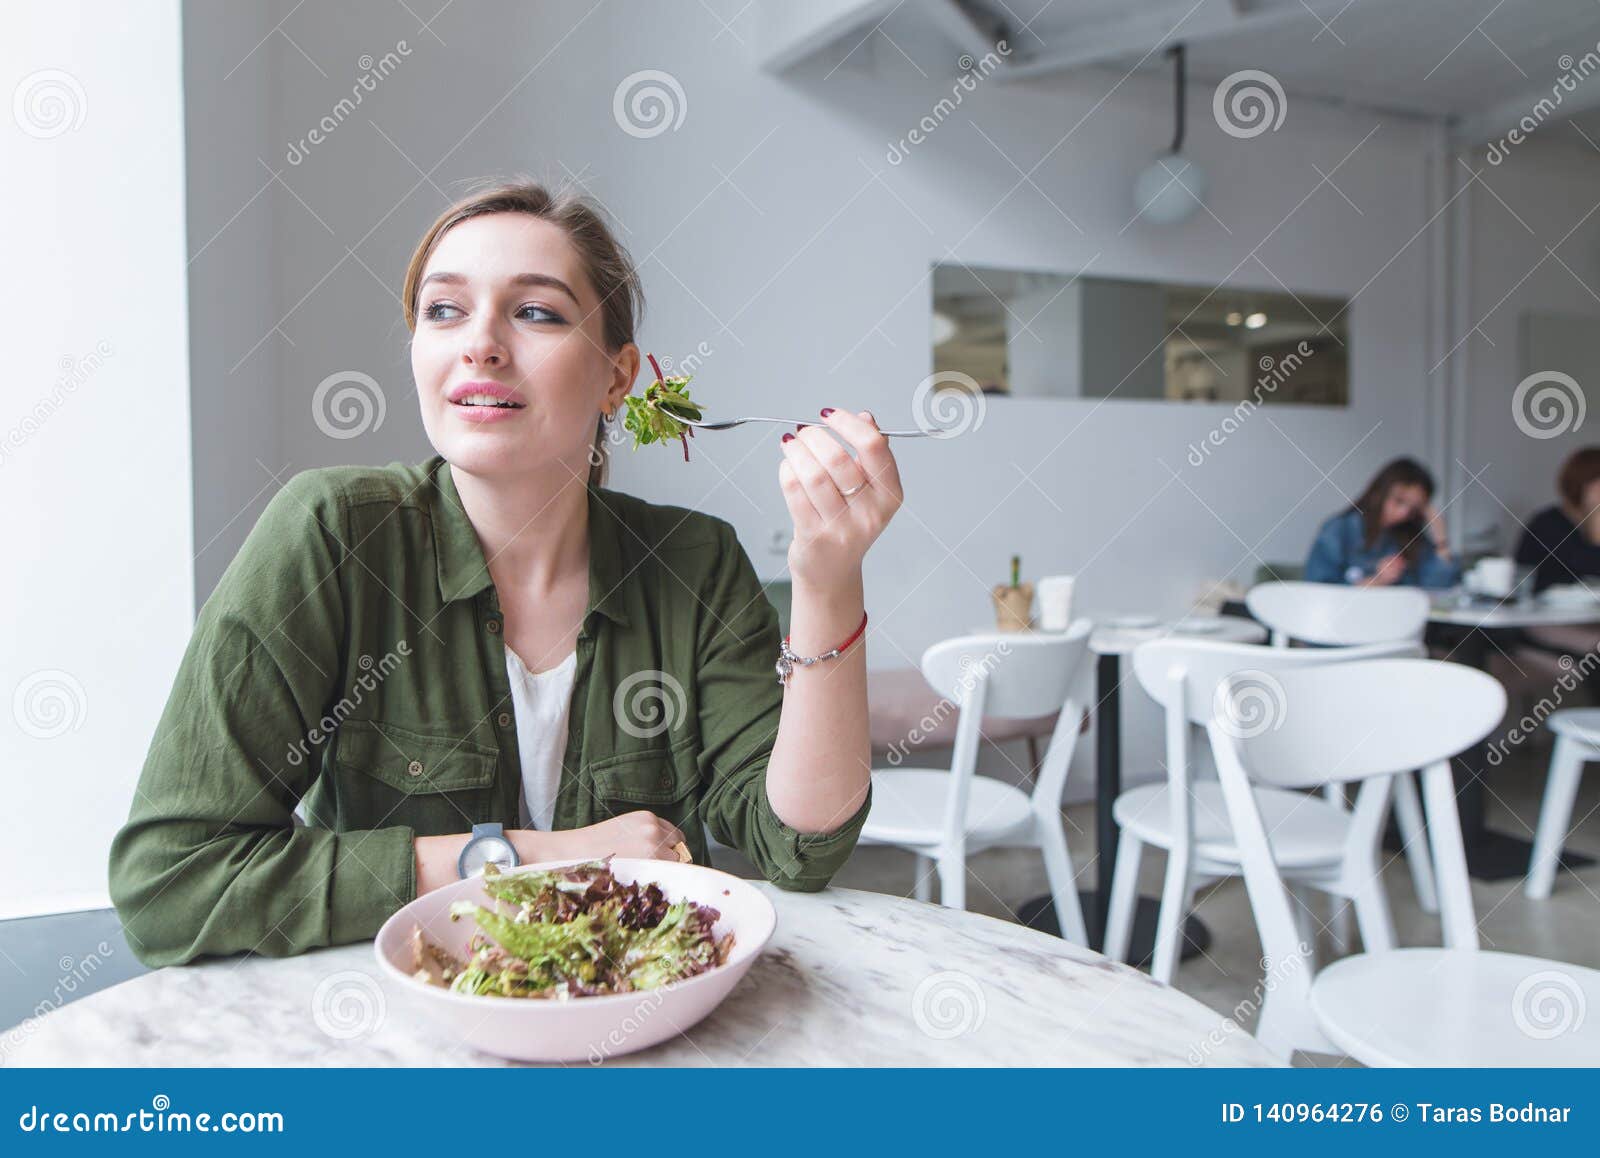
(771, 228)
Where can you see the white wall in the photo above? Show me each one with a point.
(94, 453)
(1542, 197)
(804, 269)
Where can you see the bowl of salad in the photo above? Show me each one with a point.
(571, 962)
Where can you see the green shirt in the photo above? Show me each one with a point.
(350, 662)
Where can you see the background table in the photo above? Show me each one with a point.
(851, 978)
(1109, 644)
(1462, 634)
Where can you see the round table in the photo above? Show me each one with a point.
(850, 978)
(1462, 632)
(1109, 642)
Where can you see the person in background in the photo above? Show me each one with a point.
(1392, 534)
(1562, 542)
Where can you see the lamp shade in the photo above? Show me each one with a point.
(1169, 189)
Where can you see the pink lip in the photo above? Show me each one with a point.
(483, 413)
(484, 386)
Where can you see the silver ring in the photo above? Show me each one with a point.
(855, 490)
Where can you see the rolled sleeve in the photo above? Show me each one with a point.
(211, 861)
(740, 703)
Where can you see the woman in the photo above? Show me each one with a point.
(492, 637)
(1391, 535)
(1562, 543)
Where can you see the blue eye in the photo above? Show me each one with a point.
(549, 315)
(436, 311)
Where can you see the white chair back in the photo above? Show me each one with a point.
(1338, 723)
(1338, 616)
(1187, 677)
(1018, 675)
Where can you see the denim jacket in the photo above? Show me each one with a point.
(1340, 555)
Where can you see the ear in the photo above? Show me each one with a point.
(624, 369)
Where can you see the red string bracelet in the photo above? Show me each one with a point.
(788, 660)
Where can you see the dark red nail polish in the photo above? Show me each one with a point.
(827, 410)
(788, 438)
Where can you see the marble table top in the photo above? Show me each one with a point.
(850, 978)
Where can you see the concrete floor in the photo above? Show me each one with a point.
(1566, 927)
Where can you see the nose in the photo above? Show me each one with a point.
(483, 345)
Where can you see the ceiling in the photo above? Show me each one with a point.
(1480, 63)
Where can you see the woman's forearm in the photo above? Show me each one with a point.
(821, 763)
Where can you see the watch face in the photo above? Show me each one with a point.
(484, 850)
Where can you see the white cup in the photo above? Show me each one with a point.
(1495, 576)
(1055, 602)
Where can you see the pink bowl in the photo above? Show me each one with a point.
(588, 1029)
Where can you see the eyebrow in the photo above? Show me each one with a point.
(521, 279)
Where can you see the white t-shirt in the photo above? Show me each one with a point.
(541, 703)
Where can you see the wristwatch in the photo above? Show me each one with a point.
(488, 844)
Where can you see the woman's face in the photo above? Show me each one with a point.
(1404, 503)
(504, 309)
(1591, 497)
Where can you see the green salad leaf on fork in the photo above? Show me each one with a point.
(655, 417)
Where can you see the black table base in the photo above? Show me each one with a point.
(1040, 913)
(1491, 855)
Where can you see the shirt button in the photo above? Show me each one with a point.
(505, 719)
(494, 627)
(665, 781)
(414, 768)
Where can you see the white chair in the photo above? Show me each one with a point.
(944, 814)
(1577, 742)
(1337, 616)
(1328, 615)
(1185, 815)
(1365, 723)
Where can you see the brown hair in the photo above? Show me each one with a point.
(1581, 468)
(605, 262)
(1399, 472)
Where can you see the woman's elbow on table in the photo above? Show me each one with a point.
(161, 914)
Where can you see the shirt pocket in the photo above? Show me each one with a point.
(433, 783)
(661, 780)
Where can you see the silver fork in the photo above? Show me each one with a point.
(730, 423)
